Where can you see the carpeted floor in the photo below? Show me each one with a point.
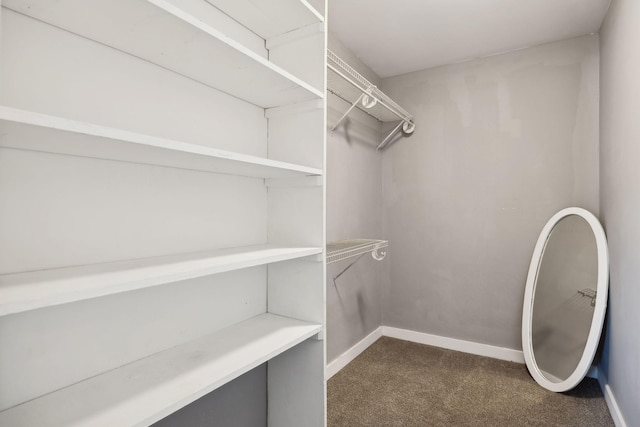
(399, 383)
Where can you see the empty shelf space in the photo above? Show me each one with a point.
(31, 290)
(173, 37)
(147, 390)
(344, 249)
(270, 18)
(39, 132)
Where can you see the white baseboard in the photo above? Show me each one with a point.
(345, 358)
(614, 409)
(455, 344)
(419, 337)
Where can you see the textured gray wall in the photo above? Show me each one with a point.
(501, 144)
(620, 201)
(353, 211)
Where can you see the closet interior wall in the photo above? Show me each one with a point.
(502, 144)
(62, 210)
(353, 211)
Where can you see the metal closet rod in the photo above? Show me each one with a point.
(369, 97)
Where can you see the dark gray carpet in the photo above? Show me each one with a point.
(399, 383)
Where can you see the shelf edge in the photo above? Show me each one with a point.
(22, 292)
(46, 121)
(191, 362)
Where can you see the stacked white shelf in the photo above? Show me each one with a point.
(147, 390)
(45, 288)
(66, 136)
(209, 43)
(176, 35)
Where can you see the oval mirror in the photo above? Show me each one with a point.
(565, 299)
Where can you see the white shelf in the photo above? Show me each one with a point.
(145, 391)
(40, 132)
(31, 290)
(175, 38)
(345, 249)
(270, 18)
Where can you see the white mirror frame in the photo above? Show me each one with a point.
(600, 306)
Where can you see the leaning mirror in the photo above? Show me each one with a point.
(565, 299)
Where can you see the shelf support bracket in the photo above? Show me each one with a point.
(346, 268)
(407, 128)
(367, 100)
(388, 138)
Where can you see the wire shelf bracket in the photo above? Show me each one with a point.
(346, 83)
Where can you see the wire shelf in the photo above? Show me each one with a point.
(390, 109)
(345, 249)
(346, 83)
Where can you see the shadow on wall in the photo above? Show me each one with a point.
(347, 302)
(357, 128)
(350, 285)
(348, 131)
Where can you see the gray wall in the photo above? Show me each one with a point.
(501, 144)
(620, 201)
(353, 211)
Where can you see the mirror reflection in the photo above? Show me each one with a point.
(564, 298)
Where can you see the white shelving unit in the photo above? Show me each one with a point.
(140, 257)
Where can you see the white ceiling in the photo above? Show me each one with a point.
(399, 36)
